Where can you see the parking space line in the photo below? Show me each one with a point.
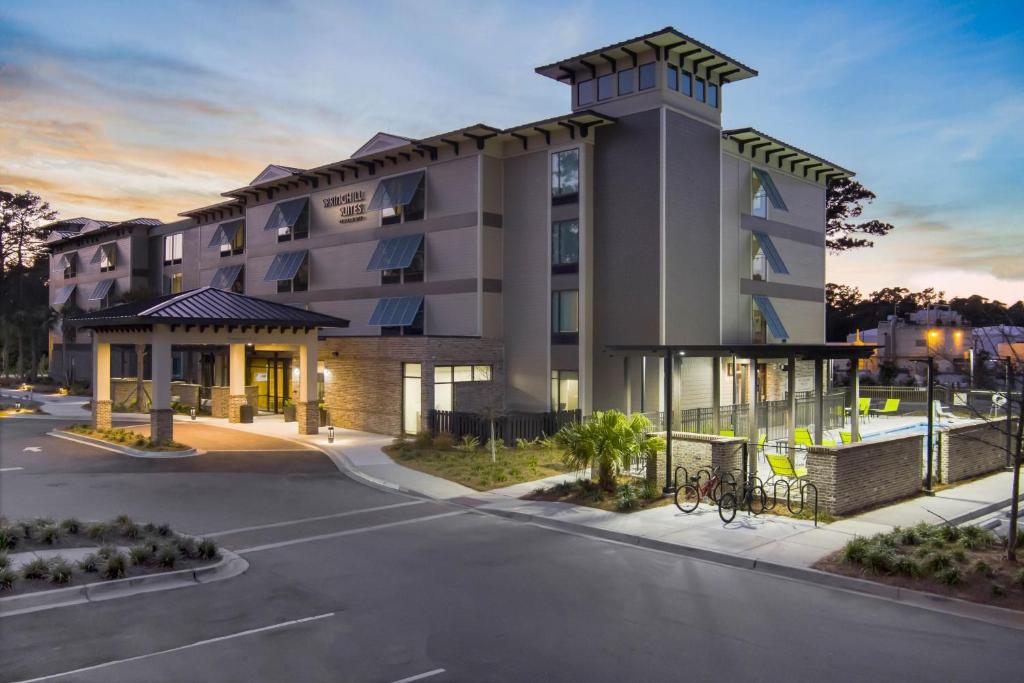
(420, 677)
(10, 469)
(275, 525)
(208, 641)
(347, 532)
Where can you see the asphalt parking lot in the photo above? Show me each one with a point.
(351, 583)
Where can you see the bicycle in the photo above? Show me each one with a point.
(689, 496)
(750, 494)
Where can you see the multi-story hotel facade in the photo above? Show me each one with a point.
(488, 268)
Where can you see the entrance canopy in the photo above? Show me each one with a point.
(202, 317)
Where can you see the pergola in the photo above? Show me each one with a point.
(754, 353)
(205, 316)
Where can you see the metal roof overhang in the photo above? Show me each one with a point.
(670, 44)
(764, 148)
(581, 121)
(759, 351)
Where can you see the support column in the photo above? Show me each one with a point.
(102, 407)
(791, 405)
(236, 381)
(668, 422)
(753, 419)
(161, 418)
(855, 408)
(627, 403)
(307, 410)
(716, 396)
(819, 400)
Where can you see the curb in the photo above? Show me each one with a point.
(982, 511)
(125, 450)
(998, 616)
(230, 565)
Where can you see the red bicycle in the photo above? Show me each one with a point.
(690, 495)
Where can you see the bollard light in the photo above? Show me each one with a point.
(17, 405)
(330, 434)
(192, 412)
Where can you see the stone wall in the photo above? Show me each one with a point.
(363, 380)
(219, 399)
(861, 475)
(972, 449)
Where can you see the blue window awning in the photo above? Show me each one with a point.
(397, 252)
(225, 277)
(771, 253)
(771, 316)
(399, 311)
(63, 294)
(397, 191)
(285, 266)
(98, 256)
(286, 214)
(67, 259)
(225, 232)
(774, 196)
(102, 289)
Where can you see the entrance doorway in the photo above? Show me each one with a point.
(270, 377)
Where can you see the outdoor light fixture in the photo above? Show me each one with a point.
(330, 434)
(192, 412)
(17, 406)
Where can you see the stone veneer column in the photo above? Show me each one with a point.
(307, 415)
(235, 404)
(161, 425)
(102, 414)
(236, 371)
(307, 408)
(102, 406)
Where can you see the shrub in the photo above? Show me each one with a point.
(106, 551)
(49, 535)
(627, 497)
(26, 528)
(974, 537)
(115, 566)
(187, 547)
(7, 579)
(908, 536)
(8, 538)
(443, 442)
(958, 554)
(880, 559)
(1018, 578)
(60, 571)
(164, 530)
(907, 566)
(950, 576)
(951, 533)
(99, 531)
(423, 441)
(5, 561)
(998, 591)
(36, 569)
(71, 526)
(468, 444)
(167, 556)
(90, 563)
(208, 549)
(856, 550)
(938, 562)
(140, 554)
(497, 444)
(524, 444)
(129, 530)
(983, 568)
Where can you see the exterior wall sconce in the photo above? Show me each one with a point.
(330, 434)
(17, 405)
(192, 412)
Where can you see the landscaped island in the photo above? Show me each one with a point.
(125, 437)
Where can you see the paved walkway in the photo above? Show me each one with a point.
(767, 537)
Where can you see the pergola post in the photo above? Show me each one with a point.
(791, 405)
(307, 409)
(668, 422)
(102, 407)
(161, 417)
(753, 421)
(855, 408)
(819, 400)
(236, 381)
(716, 396)
(627, 398)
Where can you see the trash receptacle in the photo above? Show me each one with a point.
(245, 413)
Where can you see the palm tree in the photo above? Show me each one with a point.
(609, 441)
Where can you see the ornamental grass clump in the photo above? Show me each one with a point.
(208, 549)
(36, 569)
(937, 562)
(187, 547)
(879, 559)
(71, 526)
(140, 554)
(907, 566)
(115, 566)
(950, 576)
(7, 579)
(90, 564)
(49, 534)
(167, 556)
(60, 572)
(99, 531)
(856, 550)
(5, 561)
(976, 538)
(9, 537)
(983, 568)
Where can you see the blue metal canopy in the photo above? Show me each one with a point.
(771, 316)
(399, 311)
(102, 289)
(225, 277)
(63, 294)
(769, 187)
(285, 265)
(225, 232)
(286, 214)
(397, 191)
(397, 252)
(771, 253)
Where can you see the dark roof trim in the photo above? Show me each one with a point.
(745, 136)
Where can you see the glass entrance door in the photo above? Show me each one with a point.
(411, 384)
(270, 377)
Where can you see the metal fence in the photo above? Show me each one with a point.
(509, 427)
(772, 416)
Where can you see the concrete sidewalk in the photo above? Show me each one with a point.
(771, 538)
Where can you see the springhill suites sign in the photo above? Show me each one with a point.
(352, 205)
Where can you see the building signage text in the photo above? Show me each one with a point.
(352, 205)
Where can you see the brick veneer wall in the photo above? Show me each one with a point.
(972, 449)
(363, 388)
(860, 475)
(696, 452)
(219, 399)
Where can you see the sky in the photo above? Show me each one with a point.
(118, 109)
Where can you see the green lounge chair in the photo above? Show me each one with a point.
(892, 405)
(847, 437)
(803, 438)
(782, 468)
(726, 432)
(865, 407)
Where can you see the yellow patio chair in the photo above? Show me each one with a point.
(782, 468)
(892, 405)
(726, 432)
(803, 438)
(864, 405)
(847, 437)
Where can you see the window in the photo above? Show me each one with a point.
(413, 329)
(238, 286)
(758, 326)
(759, 261)
(174, 283)
(565, 176)
(172, 248)
(699, 93)
(412, 273)
(671, 77)
(108, 257)
(585, 93)
(70, 265)
(565, 316)
(685, 82)
(605, 85)
(626, 81)
(759, 197)
(298, 231)
(565, 390)
(411, 398)
(445, 376)
(413, 211)
(565, 246)
(647, 75)
(236, 245)
(178, 365)
(713, 95)
(299, 282)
